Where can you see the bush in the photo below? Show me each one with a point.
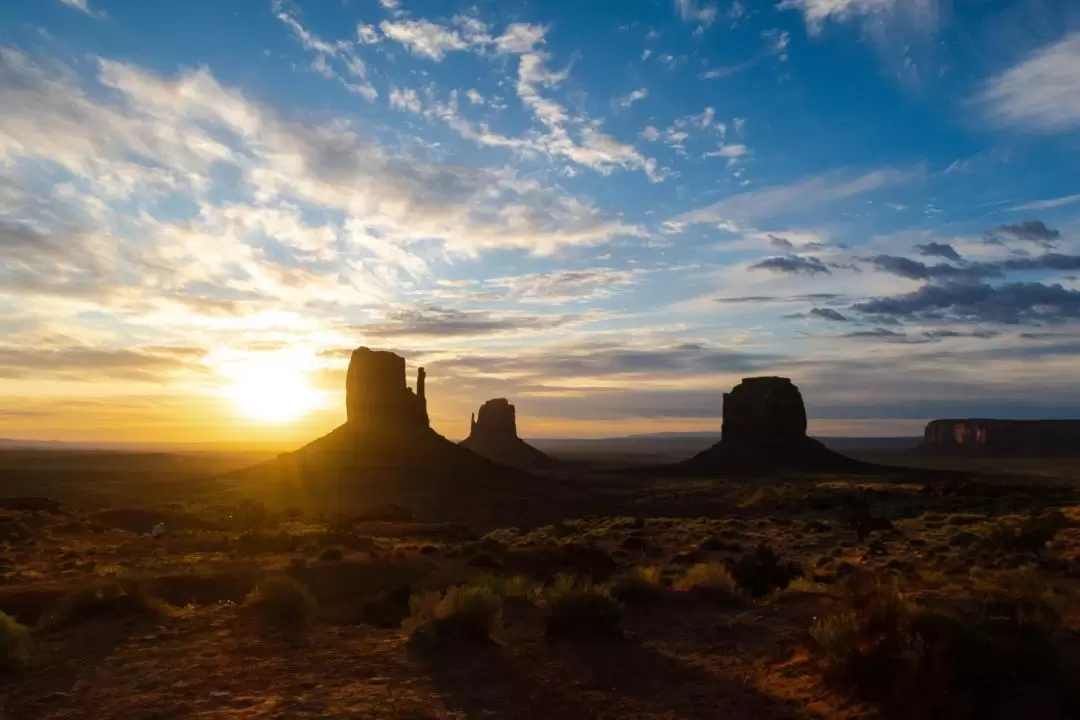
(462, 613)
(14, 644)
(761, 572)
(580, 609)
(970, 660)
(282, 601)
(1030, 533)
(506, 587)
(331, 554)
(121, 599)
(712, 581)
(640, 586)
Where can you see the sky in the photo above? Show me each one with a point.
(608, 212)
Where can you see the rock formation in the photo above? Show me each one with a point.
(376, 396)
(493, 434)
(764, 429)
(385, 452)
(977, 436)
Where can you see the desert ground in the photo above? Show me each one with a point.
(592, 594)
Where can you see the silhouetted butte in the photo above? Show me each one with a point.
(493, 434)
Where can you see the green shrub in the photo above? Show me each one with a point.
(640, 586)
(969, 659)
(14, 644)
(711, 581)
(573, 608)
(283, 602)
(462, 613)
(121, 599)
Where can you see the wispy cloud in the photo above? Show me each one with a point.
(84, 6)
(1041, 93)
(1047, 204)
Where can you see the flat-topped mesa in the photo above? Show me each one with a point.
(765, 430)
(764, 411)
(983, 436)
(496, 421)
(376, 395)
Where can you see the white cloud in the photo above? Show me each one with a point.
(807, 193)
(423, 37)
(732, 152)
(650, 133)
(689, 11)
(390, 4)
(817, 12)
(83, 6)
(367, 35)
(1041, 93)
(1047, 204)
(405, 100)
(628, 100)
(520, 38)
(474, 96)
(341, 51)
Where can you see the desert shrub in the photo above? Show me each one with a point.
(761, 572)
(250, 514)
(120, 599)
(1029, 533)
(969, 660)
(283, 602)
(15, 532)
(580, 609)
(331, 554)
(515, 586)
(711, 581)
(640, 586)
(461, 614)
(14, 643)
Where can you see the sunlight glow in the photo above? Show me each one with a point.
(271, 388)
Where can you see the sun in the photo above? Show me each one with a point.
(272, 388)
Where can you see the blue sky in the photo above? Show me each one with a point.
(609, 215)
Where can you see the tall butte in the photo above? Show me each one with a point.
(493, 434)
(385, 452)
(764, 429)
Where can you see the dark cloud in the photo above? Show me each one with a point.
(1010, 304)
(793, 264)
(882, 334)
(809, 297)
(1033, 231)
(449, 322)
(780, 243)
(599, 360)
(916, 270)
(829, 314)
(936, 249)
(939, 334)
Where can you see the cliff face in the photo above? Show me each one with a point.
(764, 430)
(376, 396)
(980, 436)
(493, 434)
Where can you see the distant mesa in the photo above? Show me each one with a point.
(385, 452)
(493, 434)
(764, 429)
(1009, 438)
